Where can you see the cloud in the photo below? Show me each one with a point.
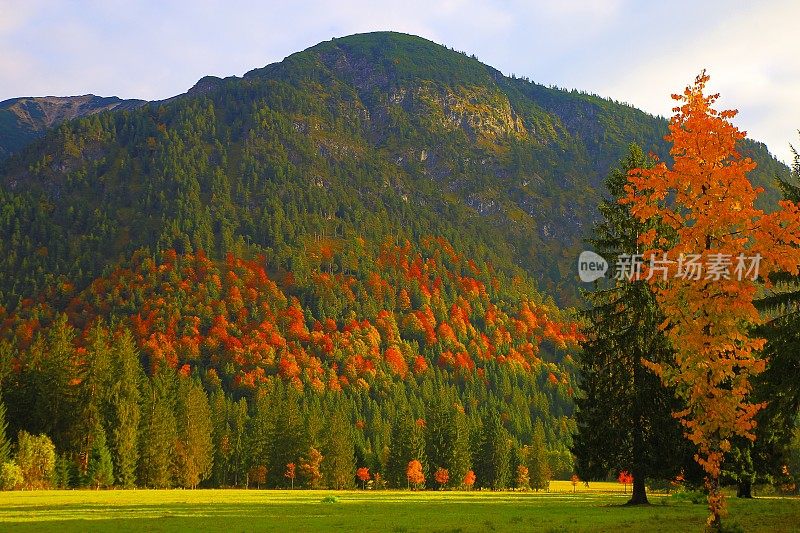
(750, 64)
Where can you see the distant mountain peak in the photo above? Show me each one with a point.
(25, 118)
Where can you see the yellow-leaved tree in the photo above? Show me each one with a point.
(712, 251)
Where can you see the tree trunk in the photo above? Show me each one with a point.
(638, 469)
(638, 492)
(745, 489)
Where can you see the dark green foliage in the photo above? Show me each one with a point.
(338, 452)
(779, 385)
(492, 459)
(289, 437)
(537, 460)
(407, 444)
(624, 414)
(194, 451)
(43, 398)
(100, 471)
(5, 443)
(125, 411)
(158, 431)
(65, 474)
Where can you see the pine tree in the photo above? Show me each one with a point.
(100, 471)
(624, 414)
(493, 461)
(158, 431)
(97, 379)
(5, 443)
(407, 444)
(289, 439)
(194, 447)
(537, 460)
(440, 435)
(125, 409)
(338, 464)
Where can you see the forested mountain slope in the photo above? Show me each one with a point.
(355, 253)
(375, 134)
(22, 120)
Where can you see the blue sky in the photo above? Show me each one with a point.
(634, 51)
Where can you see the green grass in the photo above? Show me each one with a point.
(391, 511)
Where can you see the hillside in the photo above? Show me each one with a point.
(22, 120)
(375, 134)
(355, 253)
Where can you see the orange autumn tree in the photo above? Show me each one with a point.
(469, 479)
(442, 477)
(625, 479)
(290, 473)
(363, 476)
(414, 473)
(704, 204)
(310, 467)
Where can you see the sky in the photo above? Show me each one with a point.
(638, 52)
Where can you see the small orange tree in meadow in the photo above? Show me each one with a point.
(310, 467)
(626, 479)
(469, 479)
(415, 474)
(363, 475)
(705, 205)
(258, 475)
(442, 476)
(290, 473)
(523, 478)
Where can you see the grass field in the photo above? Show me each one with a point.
(597, 509)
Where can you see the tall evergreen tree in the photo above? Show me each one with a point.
(125, 409)
(440, 434)
(407, 444)
(100, 470)
(158, 431)
(194, 447)
(624, 414)
(5, 443)
(338, 463)
(493, 460)
(537, 459)
(289, 438)
(96, 385)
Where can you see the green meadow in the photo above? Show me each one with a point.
(392, 511)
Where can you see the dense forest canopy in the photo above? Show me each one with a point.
(353, 265)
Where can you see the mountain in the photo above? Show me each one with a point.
(394, 124)
(24, 119)
(376, 229)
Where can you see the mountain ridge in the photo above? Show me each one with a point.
(24, 119)
(448, 133)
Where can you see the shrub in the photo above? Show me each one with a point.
(10, 476)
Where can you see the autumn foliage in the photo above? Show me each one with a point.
(240, 326)
(469, 479)
(414, 473)
(363, 475)
(704, 206)
(625, 479)
(442, 476)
